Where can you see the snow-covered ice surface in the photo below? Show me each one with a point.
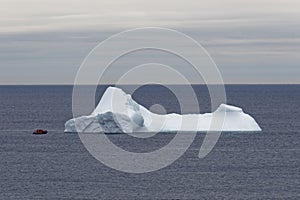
(117, 112)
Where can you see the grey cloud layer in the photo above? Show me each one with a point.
(251, 41)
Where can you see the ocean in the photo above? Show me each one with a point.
(264, 165)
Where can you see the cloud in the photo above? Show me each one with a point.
(244, 37)
(35, 15)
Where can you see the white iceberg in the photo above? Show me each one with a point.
(117, 112)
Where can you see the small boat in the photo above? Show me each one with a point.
(39, 132)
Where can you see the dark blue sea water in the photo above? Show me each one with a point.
(241, 166)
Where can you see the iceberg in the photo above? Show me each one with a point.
(117, 112)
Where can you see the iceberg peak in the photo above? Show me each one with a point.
(228, 108)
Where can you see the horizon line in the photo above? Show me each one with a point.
(108, 84)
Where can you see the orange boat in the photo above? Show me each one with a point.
(40, 131)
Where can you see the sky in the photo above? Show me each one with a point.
(251, 41)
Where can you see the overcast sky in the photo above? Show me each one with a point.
(251, 41)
